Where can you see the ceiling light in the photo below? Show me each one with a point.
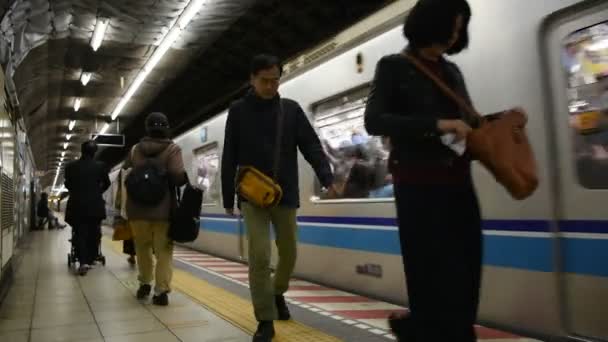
(85, 78)
(68, 137)
(105, 128)
(160, 51)
(99, 32)
(132, 89)
(65, 146)
(189, 12)
(193, 7)
(72, 124)
(77, 104)
(55, 181)
(62, 154)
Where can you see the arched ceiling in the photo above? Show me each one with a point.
(45, 48)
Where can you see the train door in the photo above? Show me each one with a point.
(576, 57)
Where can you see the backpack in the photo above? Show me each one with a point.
(148, 183)
(185, 215)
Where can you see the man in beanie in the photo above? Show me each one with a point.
(86, 179)
(150, 223)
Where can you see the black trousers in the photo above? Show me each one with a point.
(441, 243)
(87, 239)
(50, 220)
(128, 247)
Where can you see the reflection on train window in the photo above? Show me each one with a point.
(359, 161)
(585, 60)
(205, 167)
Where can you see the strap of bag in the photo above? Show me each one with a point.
(241, 244)
(464, 105)
(279, 137)
(118, 198)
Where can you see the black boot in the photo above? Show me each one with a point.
(401, 326)
(161, 299)
(282, 308)
(144, 291)
(265, 332)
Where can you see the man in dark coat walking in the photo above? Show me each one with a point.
(87, 180)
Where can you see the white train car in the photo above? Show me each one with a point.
(545, 258)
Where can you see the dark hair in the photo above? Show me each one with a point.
(88, 148)
(263, 62)
(44, 195)
(432, 22)
(157, 125)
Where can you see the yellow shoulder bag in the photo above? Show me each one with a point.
(256, 187)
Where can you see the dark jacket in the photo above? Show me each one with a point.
(405, 105)
(169, 155)
(250, 139)
(42, 209)
(87, 180)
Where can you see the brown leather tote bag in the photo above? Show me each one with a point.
(500, 145)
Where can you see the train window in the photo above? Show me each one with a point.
(585, 61)
(359, 161)
(205, 168)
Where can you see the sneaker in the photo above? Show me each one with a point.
(161, 299)
(265, 332)
(282, 308)
(143, 291)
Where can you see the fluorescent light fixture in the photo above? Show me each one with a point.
(72, 124)
(105, 128)
(77, 104)
(99, 32)
(62, 154)
(193, 7)
(55, 181)
(139, 79)
(65, 146)
(189, 12)
(85, 78)
(164, 46)
(68, 137)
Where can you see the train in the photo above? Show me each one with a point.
(545, 268)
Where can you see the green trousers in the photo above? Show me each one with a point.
(262, 286)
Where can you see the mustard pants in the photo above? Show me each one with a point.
(151, 241)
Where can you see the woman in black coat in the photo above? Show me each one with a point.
(87, 180)
(437, 207)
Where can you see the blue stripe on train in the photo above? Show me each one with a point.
(581, 255)
(570, 226)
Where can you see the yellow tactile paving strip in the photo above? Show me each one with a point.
(235, 309)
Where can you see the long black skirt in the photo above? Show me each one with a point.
(441, 242)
